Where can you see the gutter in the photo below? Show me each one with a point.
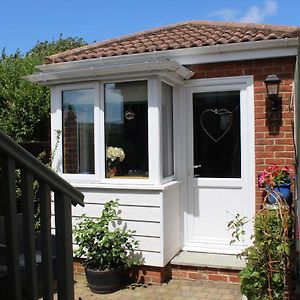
(46, 77)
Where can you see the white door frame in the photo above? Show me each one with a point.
(245, 85)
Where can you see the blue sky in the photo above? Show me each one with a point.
(23, 23)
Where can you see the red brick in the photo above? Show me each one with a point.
(289, 148)
(284, 154)
(234, 279)
(179, 274)
(274, 161)
(259, 161)
(287, 141)
(217, 277)
(274, 148)
(198, 276)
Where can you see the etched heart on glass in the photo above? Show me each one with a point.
(216, 123)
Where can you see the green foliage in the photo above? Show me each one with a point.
(25, 107)
(237, 227)
(36, 185)
(267, 270)
(101, 244)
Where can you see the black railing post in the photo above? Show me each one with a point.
(64, 247)
(29, 234)
(46, 239)
(8, 192)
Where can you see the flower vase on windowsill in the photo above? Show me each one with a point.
(114, 156)
(111, 172)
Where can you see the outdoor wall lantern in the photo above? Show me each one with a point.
(272, 83)
(274, 112)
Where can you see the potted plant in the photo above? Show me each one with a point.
(114, 156)
(105, 249)
(277, 182)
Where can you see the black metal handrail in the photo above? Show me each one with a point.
(21, 279)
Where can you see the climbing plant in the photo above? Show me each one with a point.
(268, 261)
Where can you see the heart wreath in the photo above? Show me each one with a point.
(211, 118)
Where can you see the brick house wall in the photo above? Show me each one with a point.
(273, 143)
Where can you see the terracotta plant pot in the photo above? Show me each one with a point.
(111, 172)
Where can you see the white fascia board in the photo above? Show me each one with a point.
(234, 52)
(96, 71)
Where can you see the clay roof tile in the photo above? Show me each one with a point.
(180, 35)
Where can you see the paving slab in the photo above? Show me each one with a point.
(173, 290)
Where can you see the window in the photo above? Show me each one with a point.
(167, 130)
(78, 131)
(126, 129)
(217, 134)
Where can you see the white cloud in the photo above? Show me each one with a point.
(257, 14)
(254, 14)
(225, 14)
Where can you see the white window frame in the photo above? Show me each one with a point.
(119, 180)
(154, 84)
(171, 177)
(56, 124)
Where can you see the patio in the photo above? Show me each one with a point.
(174, 289)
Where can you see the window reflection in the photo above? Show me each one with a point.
(126, 129)
(78, 131)
(167, 130)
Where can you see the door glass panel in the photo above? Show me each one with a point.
(217, 140)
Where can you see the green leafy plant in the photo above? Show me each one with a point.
(24, 106)
(102, 245)
(36, 199)
(268, 261)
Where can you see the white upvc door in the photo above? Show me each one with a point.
(221, 163)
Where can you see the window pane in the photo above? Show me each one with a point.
(167, 130)
(78, 131)
(126, 129)
(217, 140)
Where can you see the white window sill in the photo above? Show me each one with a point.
(162, 187)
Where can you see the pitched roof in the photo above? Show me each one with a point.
(178, 36)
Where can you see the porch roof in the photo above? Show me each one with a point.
(190, 34)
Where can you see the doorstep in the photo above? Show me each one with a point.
(208, 260)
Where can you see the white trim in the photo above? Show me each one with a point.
(221, 82)
(161, 187)
(154, 131)
(48, 77)
(173, 176)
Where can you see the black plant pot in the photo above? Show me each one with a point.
(103, 282)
